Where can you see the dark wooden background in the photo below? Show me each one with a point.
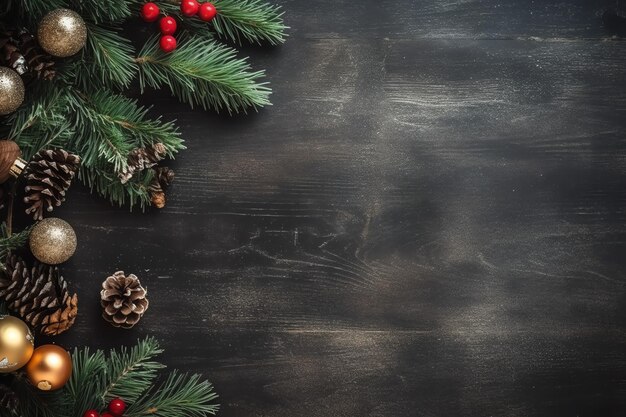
(430, 220)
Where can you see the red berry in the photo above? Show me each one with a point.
(207, 12)
(91, 413)
(117, 406)
(167, 25)
(189, 7)
(150, 12)
(168, 43)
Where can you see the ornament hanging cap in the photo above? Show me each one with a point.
(11, 165)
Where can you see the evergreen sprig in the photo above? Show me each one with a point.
(107, 61)
(103, 128)
(252, 20)
(131, 374)
(205, 73)
(82, 109)
(131, 371)
(255, 21)
(180, 395)
(11, 242)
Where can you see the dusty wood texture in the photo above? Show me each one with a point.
(428, 222)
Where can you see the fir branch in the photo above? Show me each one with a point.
(106, 182)
(125, 373)
(103, 11)
(202, 72)
(131, 371)
(179, 395)
(11, 242)
(115, 125)
(107, 61)
(253, 20)
(42, 122)
(82, 389)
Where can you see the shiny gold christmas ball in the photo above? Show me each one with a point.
(16, 344)
(49, 368)
(52, 241)
(11, 91)
(62, 33)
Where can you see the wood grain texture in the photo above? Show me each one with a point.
(428, 222)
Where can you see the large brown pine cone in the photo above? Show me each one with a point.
(19, 50)
(39, 295)
(142, 158)
(48, 176)
(123, 300)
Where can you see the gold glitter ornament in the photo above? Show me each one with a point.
(62, 33)
(49, 368)
(16, 344)
(52, 241)
(11, 91)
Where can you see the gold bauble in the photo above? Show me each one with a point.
(52, 241)
(49, 368)
(11, 91)
(62, 33)
(16, 344)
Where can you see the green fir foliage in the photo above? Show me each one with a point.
(202, 72)
(131, 374)
(11, 241)
(82, 109)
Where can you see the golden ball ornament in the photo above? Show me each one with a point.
(62, 33)
(16, 344)
(49, 368)
(11, 91)
(52, 241)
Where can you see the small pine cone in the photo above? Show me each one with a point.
(142, 158)
(123, 300)
(39, 295)
(163, 177)
(8, 399)
(48, 176)
(19, 50)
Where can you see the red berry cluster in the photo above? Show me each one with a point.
(150, 12)
(116, 409)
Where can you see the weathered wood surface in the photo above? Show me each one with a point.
(428, 222)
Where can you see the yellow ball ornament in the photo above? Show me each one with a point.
(16, 344)
(62, 33)
(52, 241)
(50, 367)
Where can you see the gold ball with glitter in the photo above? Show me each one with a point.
(62, 33)
(52, 241)
(16, 344)
(11, 91)
(49, 368)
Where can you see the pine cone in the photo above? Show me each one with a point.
(123, 300)
(39, 295)
(8, 399)
(163, 177)
(48, 176)
(142, 158)
(19, 50)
